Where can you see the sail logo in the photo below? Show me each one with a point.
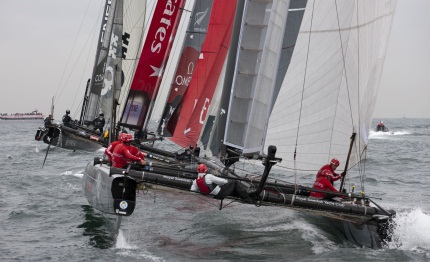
(106, 17)
(165, 23)
(204, 111)
(134, 107)
(199, 18)
(181, 80)
(109, 74)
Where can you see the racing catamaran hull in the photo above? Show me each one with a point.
(113, 191)
(70, 138)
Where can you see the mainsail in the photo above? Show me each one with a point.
(150, 68)
(96, 83)
(213, 136)
(187, 121)
(330, 89)
(120, 38)
(194, 39)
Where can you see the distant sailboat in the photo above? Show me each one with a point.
(117, 51)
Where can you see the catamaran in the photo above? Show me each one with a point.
(285, 84)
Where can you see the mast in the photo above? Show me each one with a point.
(111, 87)
(84, 103)
(52, 107)
(347, 161)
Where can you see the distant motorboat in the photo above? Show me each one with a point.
(381, 127)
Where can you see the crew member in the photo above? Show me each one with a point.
(123, 153)
(66, 118)
(220, 188)
(48, 121)
(329, 170)
(99, 123)
(134, 150)
(323, 183)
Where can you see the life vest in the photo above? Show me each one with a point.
(203, 187)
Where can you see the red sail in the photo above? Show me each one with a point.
(194, 39)
(187, 122)
(150, 68)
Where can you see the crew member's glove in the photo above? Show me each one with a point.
(343, 173)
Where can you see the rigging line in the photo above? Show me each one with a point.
(363, 175)
(361, 169)
(344, 70)
(82, 76)
(303, 91)
(70, 55)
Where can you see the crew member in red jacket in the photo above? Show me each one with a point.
(329, 170)
(134, 150)
(325, 178)
(123, 153)
(323, 183)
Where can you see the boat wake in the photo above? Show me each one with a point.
(128, 250)
(382, 135)
(121, 241)
(411, 231)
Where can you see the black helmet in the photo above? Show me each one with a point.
(101, 114)
(67, 111)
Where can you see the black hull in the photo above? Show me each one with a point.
(362, 225)
(114, 195)
(70, 138)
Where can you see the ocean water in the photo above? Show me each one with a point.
(44, 216)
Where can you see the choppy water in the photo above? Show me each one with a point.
(44, 216)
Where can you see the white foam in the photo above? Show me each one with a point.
(320, 243)
(382, 135)
(127, 249)
(309, 233)
(121, 241)
(412, 231)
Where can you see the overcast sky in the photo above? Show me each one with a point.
(48, 49)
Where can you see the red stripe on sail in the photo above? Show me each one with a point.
(188, 123)
(150, 68)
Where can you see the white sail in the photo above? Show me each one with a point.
(331, 85)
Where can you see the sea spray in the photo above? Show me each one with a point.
(412, 231)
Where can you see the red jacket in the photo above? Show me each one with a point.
(327, 170)
(322, 183)
(123, 155)
(110, 148)
(133, 150)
